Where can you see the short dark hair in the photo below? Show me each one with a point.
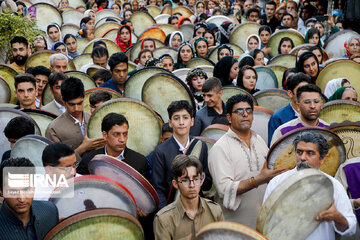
(39, 70)
(296, 79)
(166, 128)
(236, 99)
(99, 52)
(116, 59)
(271, 3)
(177, 106)
(25, 77)
(19, 39)
(15, 162)
(111, 120)
(98, 43)
(72, 88)
(287, 14)
(55, 77)
(53, 152)
(251, 10)
(313, 137)
(99, 96)
(181, 162)
(212, 83)
(103, 74)
(307, 88)
(19, 127)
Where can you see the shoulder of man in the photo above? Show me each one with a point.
(166, 211)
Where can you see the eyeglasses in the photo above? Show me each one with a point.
(241, 111)
(186, 182)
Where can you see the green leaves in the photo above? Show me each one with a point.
(12, 25)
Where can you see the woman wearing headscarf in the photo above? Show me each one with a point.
(53, 34)
(344, 93)
(313, 37)
(223, 33)
(201, 47)
(176, 39)
(334, 85)
(60, 47)
(195, 79)
(90, 13)
(123, 38)
(71, 46)
(185, 54)
(308, 64)
(253, 41)
(224, 50)
(352, 46)
(226, 70)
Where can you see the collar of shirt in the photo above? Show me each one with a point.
(296, 113)
(181, 147)
(82, 124)
(61, 107)
(212, 112)
(182, 210)
(13, 218)
(120, 157)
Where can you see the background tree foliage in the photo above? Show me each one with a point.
(12, 25)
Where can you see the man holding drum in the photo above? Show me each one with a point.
(237, 164)
(310, 151)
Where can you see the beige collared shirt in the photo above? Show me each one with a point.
(172, 222)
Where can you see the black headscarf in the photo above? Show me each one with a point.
(300, 64)
(223, 33)
(222, 70)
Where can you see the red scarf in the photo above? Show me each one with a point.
(119, 41)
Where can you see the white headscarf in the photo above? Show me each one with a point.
(247, 41)
(49, 41)
(332, 86)
(172, 36)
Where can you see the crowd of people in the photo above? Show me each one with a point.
(235, 165)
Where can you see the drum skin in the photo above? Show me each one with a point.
(141, 21)
(199, 61)
(240, 33)
(261, 118)
(43, 58)
(139, 116)
(5, 91)
(114, 95)
(237, 52)
(106, 223)
(215, 131)
(136, 48)
(349, 132)
(228, 231)
(273, 99)
(8, 74)
(90, 192)
(338, 111)
(46, 14)
(289, 211)
(282, 152)
(287, 60)
(275, 38)
(144, 194)
(41, 117)
(230, 91)
(266, 78)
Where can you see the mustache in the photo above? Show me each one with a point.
(302, 165)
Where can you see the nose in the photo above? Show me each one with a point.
(77, 107)
(312, 104)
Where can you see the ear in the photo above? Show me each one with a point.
(104, 134)
(221, 93)
(322, 160)
(228, 117)
(175, 184)
(170, 123)
(297, 106)
(290, 93)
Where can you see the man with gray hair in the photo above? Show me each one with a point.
(310, 151)
(58, 62)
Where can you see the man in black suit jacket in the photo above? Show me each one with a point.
(115, 128)
(20, 216)
(180, 119)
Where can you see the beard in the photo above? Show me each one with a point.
(20, 60)
(302, 165)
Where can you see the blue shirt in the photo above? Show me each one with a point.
(280, 117)
(112, 85)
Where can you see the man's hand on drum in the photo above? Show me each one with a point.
(332, 214)
(267, 174)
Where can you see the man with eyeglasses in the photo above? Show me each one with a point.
(237, 163)
(190, 212)
(309, 103)
(56, 156)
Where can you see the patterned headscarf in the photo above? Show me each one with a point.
(179, 60)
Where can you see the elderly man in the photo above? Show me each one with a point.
(237, 164)
(309, 104)
(310, 151)
(58, 63)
